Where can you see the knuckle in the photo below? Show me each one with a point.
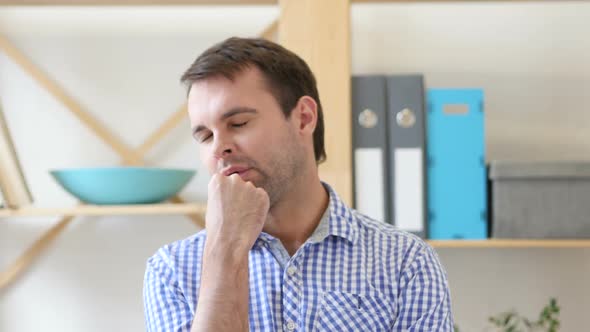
(261, 192)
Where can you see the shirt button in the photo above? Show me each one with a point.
(291, 325)
(291, 270)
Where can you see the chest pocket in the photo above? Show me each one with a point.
(341, 311)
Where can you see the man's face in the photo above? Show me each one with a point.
(240, 128)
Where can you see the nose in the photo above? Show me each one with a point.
(222, 147)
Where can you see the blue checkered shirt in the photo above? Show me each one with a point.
(352, 274)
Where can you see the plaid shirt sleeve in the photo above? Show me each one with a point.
(425, 302)
(166, 308)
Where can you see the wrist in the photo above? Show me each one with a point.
(229, 252)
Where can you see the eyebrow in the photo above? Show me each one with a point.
(231, 112)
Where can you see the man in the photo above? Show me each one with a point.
(281, 251)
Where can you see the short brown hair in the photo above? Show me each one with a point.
(288, 77)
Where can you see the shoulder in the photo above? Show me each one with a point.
(368, 226)
(179, 253)
(376, 236)
(396, 244)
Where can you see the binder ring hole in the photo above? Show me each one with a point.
(405, 118)
(368, 118)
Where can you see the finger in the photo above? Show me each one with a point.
(213, 181)
(235, 178)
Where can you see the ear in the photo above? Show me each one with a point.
(305, 115)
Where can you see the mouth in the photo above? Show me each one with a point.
(235, 170)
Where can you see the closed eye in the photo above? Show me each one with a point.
(238, 125)
(206, 138)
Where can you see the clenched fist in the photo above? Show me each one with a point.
(236, 212)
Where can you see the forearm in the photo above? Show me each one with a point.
(223, 295)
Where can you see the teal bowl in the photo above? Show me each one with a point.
(122, 185)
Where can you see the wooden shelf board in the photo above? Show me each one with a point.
(188, 208)
(511, 243)
(443, 1)
(133, 2)
(106, 210)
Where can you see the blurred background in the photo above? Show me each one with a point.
(124, 63)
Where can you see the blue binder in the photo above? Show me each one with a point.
(457, 185)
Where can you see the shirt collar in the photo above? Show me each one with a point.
(341, 222)
(337, 220)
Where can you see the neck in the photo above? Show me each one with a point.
(294, 218)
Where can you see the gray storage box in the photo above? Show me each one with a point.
(540, 200)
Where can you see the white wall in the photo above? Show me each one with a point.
(123, 65)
